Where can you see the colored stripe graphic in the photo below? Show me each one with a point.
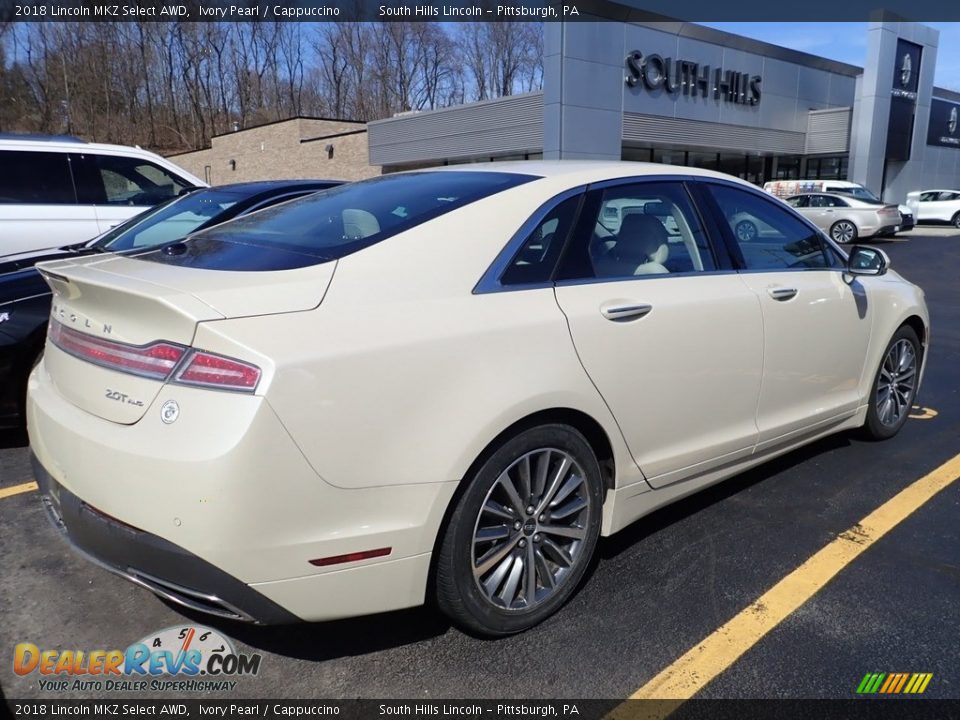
(894, 683)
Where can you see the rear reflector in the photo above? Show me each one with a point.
(155, 360)
(351, 557)
(216, 371)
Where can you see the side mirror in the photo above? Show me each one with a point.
(865, 260)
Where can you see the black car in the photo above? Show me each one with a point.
(25, 297)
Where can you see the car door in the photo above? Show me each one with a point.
(38, 204)
(948, 206)
(937, 206)
(669, 335)
(819, 211)
(816, 326)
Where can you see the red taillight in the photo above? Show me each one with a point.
(156, 360)
(216, 371)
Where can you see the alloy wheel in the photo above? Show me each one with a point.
(746, 231)
(843, 232)
(897, 383)
(530, 531)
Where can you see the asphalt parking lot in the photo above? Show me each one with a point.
(657, 590)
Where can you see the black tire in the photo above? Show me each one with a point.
(875, 428)
(746, 231)
(843, 229)
(458, 592)
(955, 220)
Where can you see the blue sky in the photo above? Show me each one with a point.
(847, 42)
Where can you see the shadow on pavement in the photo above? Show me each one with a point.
(681, 509)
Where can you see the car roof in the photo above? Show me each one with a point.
(585, 171)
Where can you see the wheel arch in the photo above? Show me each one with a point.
(594, 433)
(915, 322)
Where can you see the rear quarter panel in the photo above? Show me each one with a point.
(402, 375)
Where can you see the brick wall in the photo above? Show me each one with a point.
(290, 149)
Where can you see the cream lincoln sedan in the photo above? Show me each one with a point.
(446, 385)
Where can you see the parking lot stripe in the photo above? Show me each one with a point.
(17, 489)
(692, 671)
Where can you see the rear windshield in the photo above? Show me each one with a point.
(339, 221)
(860, 193)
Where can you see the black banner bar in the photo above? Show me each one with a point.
(865, 708)
(469, 10)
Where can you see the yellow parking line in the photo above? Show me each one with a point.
(692, 671)
(17, 489)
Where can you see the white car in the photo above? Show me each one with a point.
(941, 206)
(447, 384)
(844, 217)
(788, 188)
(56, 191)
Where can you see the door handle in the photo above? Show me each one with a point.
(619, 313)
(782, 293)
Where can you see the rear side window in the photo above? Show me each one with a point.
(132, 181)
(339, 221)
(35, 178)
(535, 261)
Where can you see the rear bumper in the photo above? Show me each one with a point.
(886, 230)
(152, 562)
(221, 508)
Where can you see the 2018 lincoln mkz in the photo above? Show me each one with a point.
(446, 385)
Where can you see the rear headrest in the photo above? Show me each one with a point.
(656, 208)
(359, 224)
(642, 238)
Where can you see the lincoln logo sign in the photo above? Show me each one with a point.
(906, 69)
(952, 122)
(690, 78)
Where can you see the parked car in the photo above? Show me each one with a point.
(56, 190)
(25, 296)
(936, 206)
(845, 218)
(788, 188)
(447, 384)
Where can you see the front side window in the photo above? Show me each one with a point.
(636, 230)
(35, 178)
(769, 236)
(799, 201)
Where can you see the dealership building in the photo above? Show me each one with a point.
(686, 94)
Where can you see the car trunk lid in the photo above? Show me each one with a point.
(135, 304)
